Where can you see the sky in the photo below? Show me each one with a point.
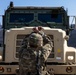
(70, 5)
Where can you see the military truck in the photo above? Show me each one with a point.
(18, 23)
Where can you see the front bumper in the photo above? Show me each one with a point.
(61, 69)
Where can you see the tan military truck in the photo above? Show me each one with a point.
(61, 60)
(18, 23)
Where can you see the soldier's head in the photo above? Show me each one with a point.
(35, 40)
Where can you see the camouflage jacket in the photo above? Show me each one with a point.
(28, 57)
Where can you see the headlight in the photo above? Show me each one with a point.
(0, 57)
(70, 57)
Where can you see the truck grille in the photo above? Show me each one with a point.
(19, 40)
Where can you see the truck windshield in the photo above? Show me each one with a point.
(21, 17)
(46, 17)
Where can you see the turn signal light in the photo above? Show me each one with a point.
(1, 69)
(69, 69)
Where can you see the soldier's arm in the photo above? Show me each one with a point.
(24, 45)
(46, 50)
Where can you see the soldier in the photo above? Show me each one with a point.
(33, 55)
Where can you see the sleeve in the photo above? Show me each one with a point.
(46, 50)
(23, 46)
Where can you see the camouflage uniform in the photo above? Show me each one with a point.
(33, 55)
